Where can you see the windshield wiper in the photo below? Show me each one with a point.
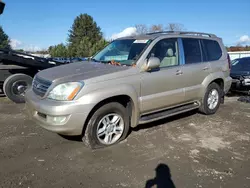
(98, 61)
(92, 59)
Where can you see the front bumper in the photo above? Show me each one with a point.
(73, 113)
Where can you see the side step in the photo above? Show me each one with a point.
(167, 113)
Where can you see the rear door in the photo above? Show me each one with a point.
(195, 68)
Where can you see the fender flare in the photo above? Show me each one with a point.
(209, 79)
(99, 95)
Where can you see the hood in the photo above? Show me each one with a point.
(79, 71)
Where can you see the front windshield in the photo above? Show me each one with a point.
(123, 51)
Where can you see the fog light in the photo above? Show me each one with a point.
(57, 119)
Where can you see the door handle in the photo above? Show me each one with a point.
(205, 68)
(179, 72)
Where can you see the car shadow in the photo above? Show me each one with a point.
(162, 178)
(72, 138)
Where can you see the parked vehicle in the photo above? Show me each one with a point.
(61, 59)
(17, 71)
(240, 73)
(133, 80)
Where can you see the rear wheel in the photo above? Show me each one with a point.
(107, 126)
(15, 86)
(212, 99)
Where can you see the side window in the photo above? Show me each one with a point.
(212, 50)
(192, 50)
(167, 51)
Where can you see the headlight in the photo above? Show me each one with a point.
(65, 91)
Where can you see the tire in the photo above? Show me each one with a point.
(204, 108)
(90, 138)
(13, 83)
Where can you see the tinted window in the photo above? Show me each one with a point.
(212, 50)
(241, 64)
(192, 50)
(167, 51)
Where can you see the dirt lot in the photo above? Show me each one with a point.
(190, 150)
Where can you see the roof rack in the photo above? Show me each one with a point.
(183, 33)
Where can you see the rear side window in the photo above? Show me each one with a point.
(192, 50)
(211, 49)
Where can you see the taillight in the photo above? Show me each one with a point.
(229, 61)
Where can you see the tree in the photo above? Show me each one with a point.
(156, 28)
(98, 46)
(84, 29)
(175, 27)
(59, 50)
(141, 28)
(4, 39)
(86, 49)
(19, 50)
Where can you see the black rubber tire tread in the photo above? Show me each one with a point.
(204, 107)
(90, 139)
(7, 86)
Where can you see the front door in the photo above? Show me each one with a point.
(163, 88)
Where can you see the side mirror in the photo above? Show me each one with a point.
(153, 63)
(2, 5)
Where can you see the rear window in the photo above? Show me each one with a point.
(192, 50)
(241, 64)
(211, 49)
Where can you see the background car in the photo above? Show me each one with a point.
(240, 73)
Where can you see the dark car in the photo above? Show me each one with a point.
(240, 73)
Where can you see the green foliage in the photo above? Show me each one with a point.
(84, 40)
(99, 46)
(4, 39)
(59, 50)
(86, 49)
(85, 37)
(19, 50)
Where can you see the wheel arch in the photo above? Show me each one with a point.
(217, 78)
(126, 96)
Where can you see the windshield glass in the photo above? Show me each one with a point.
(124, 51)
(241, 64)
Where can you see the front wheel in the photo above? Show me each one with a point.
(108, 125)
(212, 99)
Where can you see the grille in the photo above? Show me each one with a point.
(40, 86)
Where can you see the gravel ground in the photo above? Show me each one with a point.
(189, 150)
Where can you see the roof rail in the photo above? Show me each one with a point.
(161, 32)
(183, 33)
